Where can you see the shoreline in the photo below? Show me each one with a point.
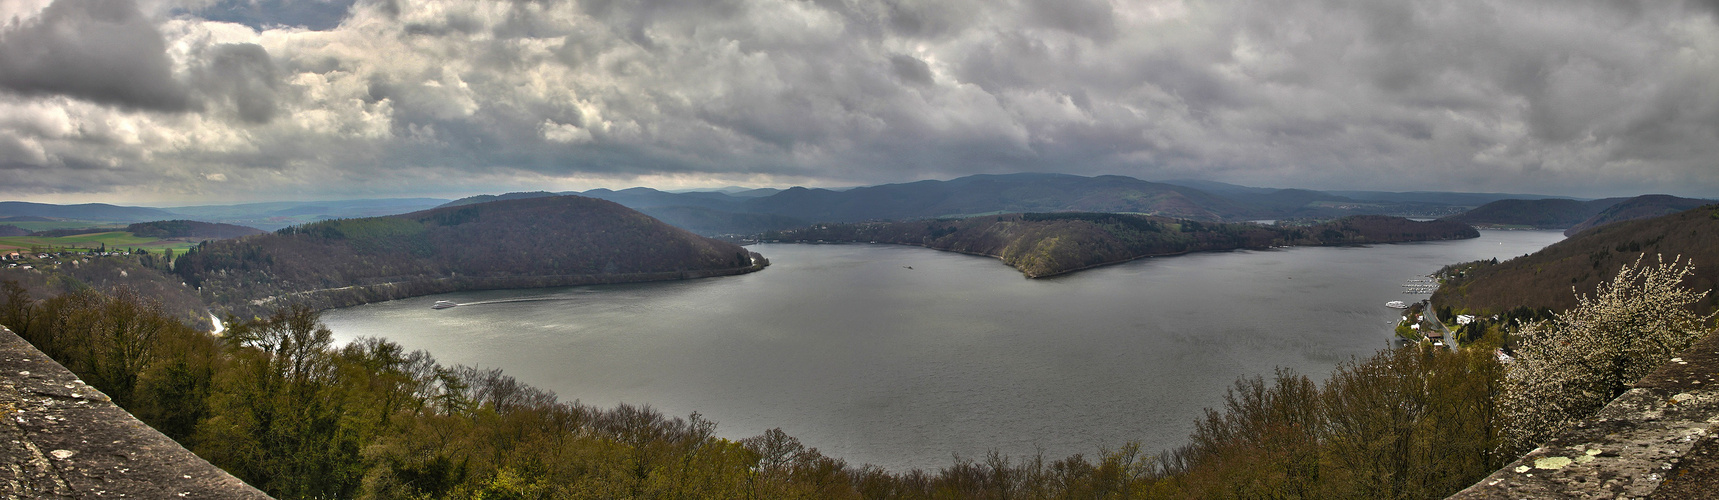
(355, 295)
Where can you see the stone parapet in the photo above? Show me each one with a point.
(1654, 441)
(61, 438)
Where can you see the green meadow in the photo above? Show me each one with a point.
(114, 240)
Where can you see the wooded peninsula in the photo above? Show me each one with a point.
(1048, 244)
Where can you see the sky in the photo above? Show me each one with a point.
(206, 101)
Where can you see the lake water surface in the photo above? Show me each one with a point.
(846, 348)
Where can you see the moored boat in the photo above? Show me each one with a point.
(1397, 304)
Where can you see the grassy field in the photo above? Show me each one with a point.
(61, 224)
(114, 240)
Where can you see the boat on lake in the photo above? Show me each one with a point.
(1397, 304)
(443, 304)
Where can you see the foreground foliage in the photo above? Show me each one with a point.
(273, 401)
(1573, 364)
(277, 404)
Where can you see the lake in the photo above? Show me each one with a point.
(904, 357)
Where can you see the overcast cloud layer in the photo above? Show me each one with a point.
(204, 100)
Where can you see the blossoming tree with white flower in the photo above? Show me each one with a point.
(1572, 365)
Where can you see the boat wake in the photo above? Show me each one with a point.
(507, 301)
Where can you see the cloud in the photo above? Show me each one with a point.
(264, 14)
(1586, 97)
(102, 50)
(910, 69)
(243, 77)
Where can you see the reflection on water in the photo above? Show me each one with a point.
(902, 356)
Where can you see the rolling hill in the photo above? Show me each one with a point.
(521, 243)
(1049, 244)
(1546, 279)
(711, 222)
(1640, 207)
(485, 198)
(88, 211)
(990, 194)
(1551, 213)
(276, 215)
(190, 229)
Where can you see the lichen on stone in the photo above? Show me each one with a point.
(1552, 462)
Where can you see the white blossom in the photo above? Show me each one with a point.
(1572, 365)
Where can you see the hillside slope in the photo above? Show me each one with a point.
(1048, 244)
(1640, 207)
(553, 241)
(486, 198)
(1538, 214)
(1544, 279)
(190, 229)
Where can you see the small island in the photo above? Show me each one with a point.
(1049, 244)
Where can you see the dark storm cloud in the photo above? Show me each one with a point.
(1088, 18)
(101, 50)
(932, 18)
(243, 76)
(910, 69)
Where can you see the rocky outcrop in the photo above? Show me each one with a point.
(1656, 440)
(61, 438)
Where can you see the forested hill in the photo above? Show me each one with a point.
(1538, 214)
(190, 229)
(1640, 207)
(1041, 245)
(1544, 279)
(552, 241)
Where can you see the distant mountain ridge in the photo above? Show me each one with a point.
(87, 211)
(989, 194)
(485, 198)
(268, 216)
(1433, 197)
(717, 212)
(741, 211)
(275, 215)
